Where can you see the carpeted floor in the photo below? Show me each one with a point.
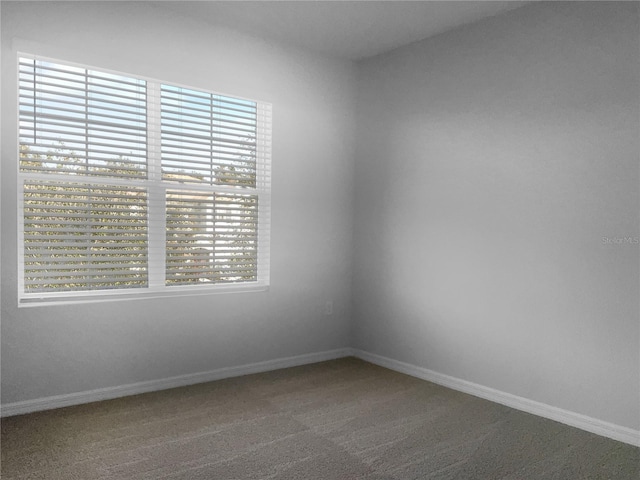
(344, 419)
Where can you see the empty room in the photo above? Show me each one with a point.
(332, 240)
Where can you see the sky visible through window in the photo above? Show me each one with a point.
(77, 120)
(87, 121)
(207, 137)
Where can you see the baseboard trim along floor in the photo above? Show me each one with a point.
(583, 422)
(589, 424)
(57, 401)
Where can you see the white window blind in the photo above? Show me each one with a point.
(208, 138)
(135, 185)
(84, 237)
(79, 121)
(211, 238)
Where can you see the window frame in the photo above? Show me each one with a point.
(156, 187)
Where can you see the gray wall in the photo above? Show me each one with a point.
(70, 348)
(491, 161)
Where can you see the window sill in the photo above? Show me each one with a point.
(46, 300)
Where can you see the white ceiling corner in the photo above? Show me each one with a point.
(350, 30)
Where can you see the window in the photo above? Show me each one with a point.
(134, 186)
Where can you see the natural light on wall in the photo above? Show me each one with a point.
(131, 187)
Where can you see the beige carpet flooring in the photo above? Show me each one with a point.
(344, 420)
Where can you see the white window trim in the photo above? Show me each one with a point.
(155, 187)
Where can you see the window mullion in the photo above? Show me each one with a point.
(157, 200)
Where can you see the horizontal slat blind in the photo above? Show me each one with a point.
(208, 138)
(135, 184)
(79, 121)
(84, 237)
(211, 238)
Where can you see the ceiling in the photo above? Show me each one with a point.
(351, 30)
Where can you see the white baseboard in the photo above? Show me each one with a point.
(583, 422)
(57, 401)
(593, 425)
